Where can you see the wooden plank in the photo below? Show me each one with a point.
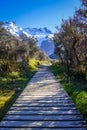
(42, 108)
(53, 124)
(43, 105)
(43, 117)
(73, 112)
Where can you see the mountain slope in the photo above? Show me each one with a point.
(43, 35)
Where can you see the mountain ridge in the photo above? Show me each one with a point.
(43, 35)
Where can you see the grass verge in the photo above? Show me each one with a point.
(11, 87)
(77, 90)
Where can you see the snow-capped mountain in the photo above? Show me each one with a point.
(43, 35)
(14, 29)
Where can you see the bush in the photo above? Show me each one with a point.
(33, 64)
(14, 75)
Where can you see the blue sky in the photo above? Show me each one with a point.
(37, 13)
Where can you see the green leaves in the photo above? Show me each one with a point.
(71, 42)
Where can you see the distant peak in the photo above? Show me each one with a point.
(9, 22)
(46, 30)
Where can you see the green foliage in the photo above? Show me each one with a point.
(13, 85)
(76, 90)
(14, 75)
(71, 42)
(9, 93)
(33, 64)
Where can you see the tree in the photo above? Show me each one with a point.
(11, 49)
(42, 56)
(73, 37)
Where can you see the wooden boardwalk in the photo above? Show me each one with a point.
(43, 105)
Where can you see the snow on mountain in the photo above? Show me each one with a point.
(14, 29)
(43, 35)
